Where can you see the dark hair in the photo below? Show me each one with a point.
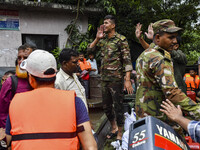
(160, 33)
(90, 53)
(66, 54)
(194, 69)
(22, 47)
(33, 47)
(111, 17)
(16, 62)
(178, 38)
(81, 53)
(44, 81)
(9, 72)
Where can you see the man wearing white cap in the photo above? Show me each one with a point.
(47, 118)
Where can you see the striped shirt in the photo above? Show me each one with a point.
(194, 130)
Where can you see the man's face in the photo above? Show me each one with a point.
(91, 56)
(81, 57)
(28, 50)
(71, 65)
(167, 41)
(108, 26)
(21, 56)
(192, 73)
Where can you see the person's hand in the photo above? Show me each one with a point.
(128, 86)
(171, 111)
(100, 33)
(78, 74)
(150, 32)
(138, 31)
(2, 133)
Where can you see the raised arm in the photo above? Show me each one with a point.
(150, 32)
(138, 34)
(99, 36)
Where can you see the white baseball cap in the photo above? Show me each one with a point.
(38, 62)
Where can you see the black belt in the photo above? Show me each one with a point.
(51, 135)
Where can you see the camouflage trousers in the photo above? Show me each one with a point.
(112, 96)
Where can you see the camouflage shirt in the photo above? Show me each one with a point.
(156, 83)
(115, 57)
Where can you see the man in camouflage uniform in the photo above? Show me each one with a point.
(155, 76)
(116, 59)
(178, 57)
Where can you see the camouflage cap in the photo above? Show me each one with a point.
(165, 25)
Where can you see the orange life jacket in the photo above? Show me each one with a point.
(191, 82)
(85, 65)
(44, 119)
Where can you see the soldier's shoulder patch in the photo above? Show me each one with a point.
(121, 37)
(167, 55)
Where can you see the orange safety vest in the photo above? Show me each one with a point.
(84, 65)
(191, 82)
(44, 119)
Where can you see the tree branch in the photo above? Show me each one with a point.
(77, 14)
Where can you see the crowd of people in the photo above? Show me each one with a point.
(38, 71)
(42, 108)
(65, 79)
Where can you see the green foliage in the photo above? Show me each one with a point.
(83, 46)
(191, 40)
(193, 57)
(183, 13)
(129, 12)
(73, 2)
(56, 53)
(191, 44)
(79, 41)
(109, 8)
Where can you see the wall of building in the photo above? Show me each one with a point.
(36, 22)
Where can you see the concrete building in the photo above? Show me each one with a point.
(37, 23)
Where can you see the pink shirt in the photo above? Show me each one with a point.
(6, 97)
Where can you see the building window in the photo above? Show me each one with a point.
(45, 42)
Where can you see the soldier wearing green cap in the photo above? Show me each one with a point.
(155, 76)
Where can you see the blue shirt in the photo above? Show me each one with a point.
(194, 130)
(81, 114)
(93, 66)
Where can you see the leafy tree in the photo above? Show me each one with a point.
(73, 2)
(183, 13)
(128, 13)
